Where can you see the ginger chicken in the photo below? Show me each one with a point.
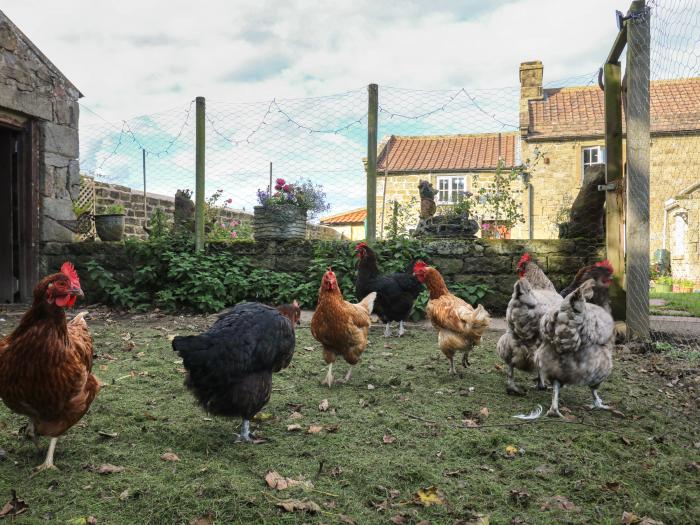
(460, 326)
(46, 362)
(341, 327)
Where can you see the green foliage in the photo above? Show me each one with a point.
(113, 209)
(665, 279)
(158, 225)
(498, 200)
(166, 272)
(78, 210)
(399, 217)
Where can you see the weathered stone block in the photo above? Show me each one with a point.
(53, 209)
(59, 139)
(448, 266)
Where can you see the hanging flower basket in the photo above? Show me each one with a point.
(279, 222)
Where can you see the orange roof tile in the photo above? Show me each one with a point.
(447, 153)
(580, 111)
(357, 216)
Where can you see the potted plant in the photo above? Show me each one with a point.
(110, 223)
(663, 284)
(283, 211)
(685, 286)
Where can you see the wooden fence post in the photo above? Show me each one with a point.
(614, 197)
(199, 174)
(638, 146)
(372, 121)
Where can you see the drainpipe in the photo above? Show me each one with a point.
(530, 212)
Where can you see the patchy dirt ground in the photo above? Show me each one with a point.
(403, 442)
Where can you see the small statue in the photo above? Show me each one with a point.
(427, 199)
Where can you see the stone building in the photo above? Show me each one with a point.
(350, 224)
(567, 126)
(681, 233)
(453, 164)
(39, 174)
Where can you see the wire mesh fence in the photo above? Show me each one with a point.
(523, 161)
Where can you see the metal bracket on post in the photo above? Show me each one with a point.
(611, 186)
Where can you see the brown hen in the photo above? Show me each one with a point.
(45, 363)
(341, 327)
(460, 326)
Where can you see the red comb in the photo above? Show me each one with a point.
(68, 270)
(605, 264)
(525, 258)
(361, 245)
(420, 265)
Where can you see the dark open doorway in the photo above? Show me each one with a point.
(18, 214)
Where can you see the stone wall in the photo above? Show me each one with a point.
(32, 89)
(131, 200)
(490, 262)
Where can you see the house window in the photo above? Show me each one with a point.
(451, 189)
(592, 156)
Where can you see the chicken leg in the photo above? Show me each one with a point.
(329, 376)
(554, 409)
(465, 359)
(597, 401)
(30, 433)
(48, 462)
(453, 370)
(511, 387)
(402, 330)
(245, 432)
(387, 329)
(348, 375)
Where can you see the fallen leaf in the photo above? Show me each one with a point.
(346, 519)
(108, 468)
(314, 429)
(387, 345)
(295, 415)
(511, 451)
(324, 405)
(630, 518)
(332, 429)
(276, 481)
(104, 368)
(423, 522)
(520, 497)
(625, 440)
(370, 387)
(124, 495)
(262, 416)
(295, 505)
(484, 412)
(558, 502)
(169, 456)
(428, 497)
(309, 348)
(205, 519)
(543, 470)
(649, 521)
(293, 428)
(399, 519)
(336, 471)
(470, 423)
(612, 486)
(105, 434)
(388, 439)
(693, 465)
(14, 507)
(617, 414)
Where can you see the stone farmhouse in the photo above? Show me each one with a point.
(39, 174)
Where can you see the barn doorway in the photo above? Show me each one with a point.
(17, 215)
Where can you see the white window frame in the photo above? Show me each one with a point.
(449, 179)
(601, 159)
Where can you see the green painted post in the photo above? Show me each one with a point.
(372, 121)
(199, 171)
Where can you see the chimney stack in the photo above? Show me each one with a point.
(530, 89)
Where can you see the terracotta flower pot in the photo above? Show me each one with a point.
(110, 227)
(279, 222)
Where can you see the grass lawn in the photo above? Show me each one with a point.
(379, 446)
(688, 302)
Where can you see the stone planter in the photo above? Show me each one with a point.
(453, 226)
(110, 227)
(283, 222)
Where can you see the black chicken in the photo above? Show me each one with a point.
(396, 292)
(230, 366)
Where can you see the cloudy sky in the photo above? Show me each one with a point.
(130, 58)
(140, 64)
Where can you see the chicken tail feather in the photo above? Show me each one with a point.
(368, 302)
(535, 414)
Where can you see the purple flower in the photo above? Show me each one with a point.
(229, 201)
(278, 187)
(486, 226)
(287, 188)
(235, 223)
(234, 235)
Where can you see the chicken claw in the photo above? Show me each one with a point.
(402, 330)
(387, 330)
(244, 436)
(329, 377)
(597, 401)
(554, 409)
(465, 360)
(48, 462)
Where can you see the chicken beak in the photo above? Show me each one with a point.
(77, 292)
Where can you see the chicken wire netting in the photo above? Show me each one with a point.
(667, 36)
